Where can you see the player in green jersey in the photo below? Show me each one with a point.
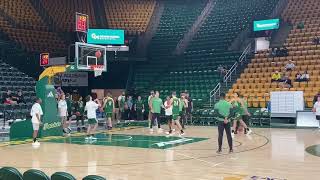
(176, 113)
(108, 107)
(241, 111)
(155, 107)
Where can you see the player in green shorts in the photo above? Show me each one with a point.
(108, 107)
(91, 108)
(176, 111)
(241, 111)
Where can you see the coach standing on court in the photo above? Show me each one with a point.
(222, 109)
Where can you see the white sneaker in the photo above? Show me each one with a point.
(167, 133)
(232, 135)
(249, 132)
(93, 138)
(36, 143)
(87, 138)
(173, 130)
(182, 133)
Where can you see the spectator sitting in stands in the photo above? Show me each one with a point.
(278, 52)
(298, 77)
(8, 98)
(300, 25)
(290, 66)
(284, 51)
(305, 76)
(20, 97)
(316, 40)
(286, 82)
(273, 53)
(276, 77)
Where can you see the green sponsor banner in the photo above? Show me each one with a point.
(265, 24)
(105, 36)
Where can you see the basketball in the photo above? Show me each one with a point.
(98, 54)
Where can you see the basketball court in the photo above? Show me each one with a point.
(135, 154)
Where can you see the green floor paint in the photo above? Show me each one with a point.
(314, 150)
(125, 140)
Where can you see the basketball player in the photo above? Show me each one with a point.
(91, 108)
(241, 110)
(121, 104)
(79, 108)
(222, 110)
(168, 113)
(108, 109)
(149, 101)
(36, 113)
(183, 106)
(176, 113)
(139, 108)
(316, 109)
(155, 105)
(63, 113)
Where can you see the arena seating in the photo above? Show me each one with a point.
(255, 82)
(174, 23)
(12, 79)
(63, 12)
(28, 29)
(131, 15)
(198, 70)
(11, 173)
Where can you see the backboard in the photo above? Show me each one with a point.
(88, 56)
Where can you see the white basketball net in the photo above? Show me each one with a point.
(97, 70)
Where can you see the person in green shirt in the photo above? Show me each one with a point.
(241, 112)
(155, 107)
(183, 106)
(139, 108)
(108, 107)
(176, 110)
(222, 110)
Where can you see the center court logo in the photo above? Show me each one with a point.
(48, 126)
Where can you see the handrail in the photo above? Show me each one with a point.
(230, 71)
(214, 92)
(244, 53)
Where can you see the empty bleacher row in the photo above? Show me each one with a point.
(255, 83)
(131, 15)
(14, 80)
(63, 12)
(197, 72)
(177, 18)
(23, 25)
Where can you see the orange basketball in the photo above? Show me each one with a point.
(98, 54)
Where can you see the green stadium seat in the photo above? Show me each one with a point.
(10, 173)
(93, 177)
(34, 174)
(62, 176)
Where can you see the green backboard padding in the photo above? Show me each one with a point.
(34, 174)
(10, 173)
(94, 177)
(62, 176)
(21, 130)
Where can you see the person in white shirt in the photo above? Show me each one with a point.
(36, 113)
(168, 112)
(316, 109)
(63, 113)
(290, 66)
(91, 108)
(305, 76)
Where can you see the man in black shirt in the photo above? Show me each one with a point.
(189, 108)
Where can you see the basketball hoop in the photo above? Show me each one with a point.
(97, 69)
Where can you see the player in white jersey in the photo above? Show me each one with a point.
(91, 108)
(316, 109)
(36, 113)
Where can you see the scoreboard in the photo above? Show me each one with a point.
(82, 22)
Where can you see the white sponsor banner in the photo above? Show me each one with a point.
(71, 79)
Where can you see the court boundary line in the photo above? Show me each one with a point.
(162, 161)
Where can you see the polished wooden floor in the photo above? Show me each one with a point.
(273, 153)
